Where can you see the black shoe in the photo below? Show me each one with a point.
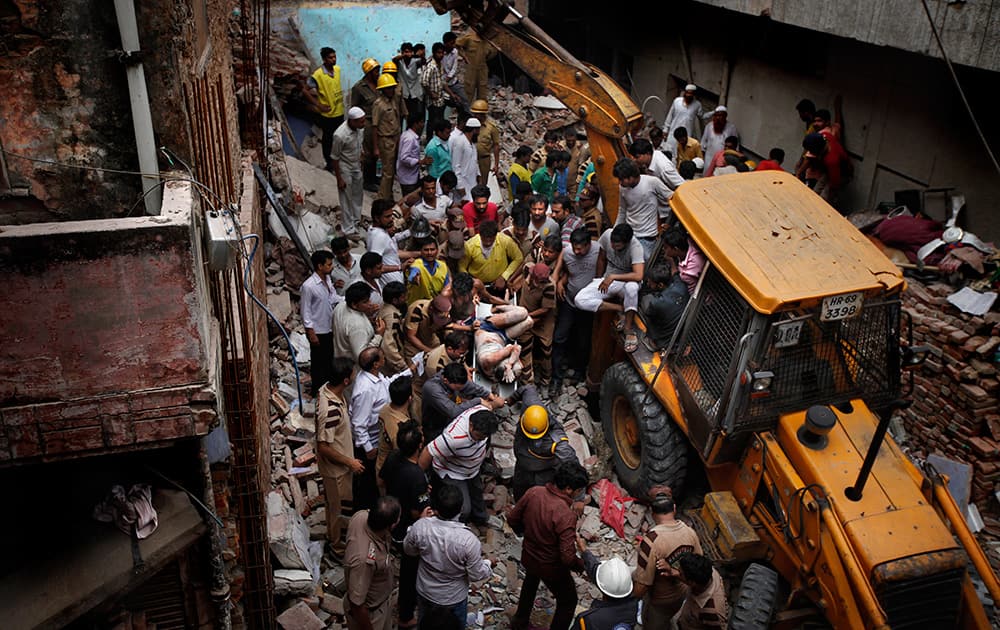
(372, 188)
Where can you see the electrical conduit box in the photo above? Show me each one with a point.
(221, 240)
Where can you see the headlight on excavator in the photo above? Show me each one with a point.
(760, 384)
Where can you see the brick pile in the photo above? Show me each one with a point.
(955, 411)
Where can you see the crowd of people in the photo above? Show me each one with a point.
(452, 285)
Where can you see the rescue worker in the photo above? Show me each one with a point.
(368, 566)
(488, 142)
(476, 53)
(539, 446)
(328, 102)
(387, 120)
(617, 610)
(363, 95)
(389, 68)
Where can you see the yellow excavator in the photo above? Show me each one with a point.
(778, 383)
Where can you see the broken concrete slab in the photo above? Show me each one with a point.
(280, 305)
(300, 617)
(293, 582)
(287, 533)
(317, 186)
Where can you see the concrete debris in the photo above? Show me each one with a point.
(280, 304)
(293, 582)
(547, 102)
(300, 617)
(316, 187)
(301, 345)
(287, 533)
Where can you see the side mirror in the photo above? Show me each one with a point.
(914, 356)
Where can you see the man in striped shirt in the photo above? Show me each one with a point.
(457, 455)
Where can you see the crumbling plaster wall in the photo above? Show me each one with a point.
(66, 99)
(904, 122)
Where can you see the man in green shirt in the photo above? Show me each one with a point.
(543, 181)
(437, 149)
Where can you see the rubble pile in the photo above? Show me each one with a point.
(954, 409)
(521, 121)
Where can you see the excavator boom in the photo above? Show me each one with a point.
(606, 111)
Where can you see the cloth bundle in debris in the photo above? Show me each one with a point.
(129, 509)
(614, 502)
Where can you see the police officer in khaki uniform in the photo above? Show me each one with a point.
(476, 52)
(392, 70)
(368, 566)
(539, 446)
(387, 120)
(363, 95)
(488, 144)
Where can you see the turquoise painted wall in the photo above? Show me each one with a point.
(357, 30)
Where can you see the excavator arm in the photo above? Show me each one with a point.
(607, 112)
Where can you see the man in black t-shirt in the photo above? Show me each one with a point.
(406, 481)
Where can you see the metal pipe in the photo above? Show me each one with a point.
(961, 529)
(142, 120)
(220, 581)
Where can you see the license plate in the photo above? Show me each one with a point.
(841, 306)
(786, 335)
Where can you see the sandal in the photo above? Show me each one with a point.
(620, 323)
(631, 342)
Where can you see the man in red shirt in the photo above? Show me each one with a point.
(825, 160)
(773, 163)
(545, 515)
(480, 209)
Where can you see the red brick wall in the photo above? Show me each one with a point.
(954, 411)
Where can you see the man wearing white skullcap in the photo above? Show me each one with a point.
(714, 138)
(464, 158)
(345, 156)
(685, 112)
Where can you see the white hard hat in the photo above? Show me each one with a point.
(614, 579)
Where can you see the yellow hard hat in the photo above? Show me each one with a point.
(535, 422)
(479, 106)
(368, 65)
(389, 66)
(385, 81)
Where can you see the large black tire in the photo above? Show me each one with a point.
(658, 455)
(753, 608)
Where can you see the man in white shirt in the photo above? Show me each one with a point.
(685, 112)
(317, 299)
(714, 138)
(575, 269)
(643, 201)
(429, 204)
(457, 455)
(656, 163)
(450, 555)
(450, 74)
(353, 330)
(369, 395)
(464, 158)
(383, 241)
(345, 160)
(346, 267)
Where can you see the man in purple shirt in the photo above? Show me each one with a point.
(408, 162)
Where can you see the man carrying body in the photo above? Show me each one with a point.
(368, 566)
(538, 297)
(346, 155)
(317, 300)
(335, 449)
(491, 257)
(329, 99)
(620, 266)
(363, 95)
(497, 353)
(387, 120)
(454, 348)
(643, 201)
(450, 393)
(667, 540)
(424, 324)
(465, 163)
